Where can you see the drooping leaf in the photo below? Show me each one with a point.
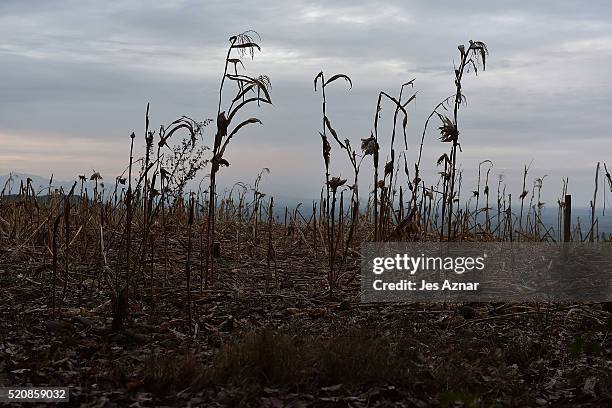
(338, 76)
(238, 127)
(262, 83)
(333, 132)
(319, 75)
(182, 123)
(244, 103)
(247, 45)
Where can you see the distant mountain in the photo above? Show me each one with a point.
(10, 183)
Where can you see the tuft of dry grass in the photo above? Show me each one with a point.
(165, 374)
(274, 357)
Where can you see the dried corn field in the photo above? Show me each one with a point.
(154, 288)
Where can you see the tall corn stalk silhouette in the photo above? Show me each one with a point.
(469, 58)
(249, 90)
(331, 185)
(371, 146)
(390, 165)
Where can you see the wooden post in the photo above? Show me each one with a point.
(593, 205)
(567, 219)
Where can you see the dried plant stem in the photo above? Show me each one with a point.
(188, 263)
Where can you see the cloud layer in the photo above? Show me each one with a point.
(77, 76)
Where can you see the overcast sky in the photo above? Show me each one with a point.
(77, 75)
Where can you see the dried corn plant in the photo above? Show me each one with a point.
(332, 184)
(469, 59)
(372, 146)
(249, 90)
(387, 201)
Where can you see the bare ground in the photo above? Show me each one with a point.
(293, 345)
